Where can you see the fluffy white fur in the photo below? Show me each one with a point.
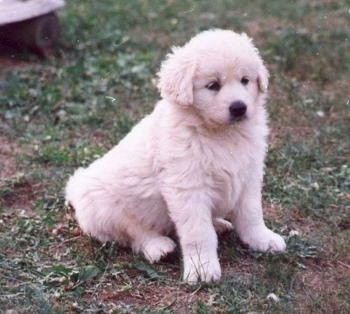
(188, 165)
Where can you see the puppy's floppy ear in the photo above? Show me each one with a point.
(263, 78)
(176, 77)
(263, 73)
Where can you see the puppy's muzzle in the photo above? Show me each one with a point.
(238, 110)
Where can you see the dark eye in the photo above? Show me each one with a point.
(214, 86)
(244, 80)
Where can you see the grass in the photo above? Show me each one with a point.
(63, 112)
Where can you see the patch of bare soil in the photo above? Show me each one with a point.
(325, 278)
(177, 297)
(9, 62)
(20, 197)
(323, 282)
(7, 158)
(17, 192)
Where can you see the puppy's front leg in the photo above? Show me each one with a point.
(191, 214)
(249, 222)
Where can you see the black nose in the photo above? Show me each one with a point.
(238, 109)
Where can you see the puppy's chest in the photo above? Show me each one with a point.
(226, 176)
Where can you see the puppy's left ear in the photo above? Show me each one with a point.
(263, 73)
(176, 77)
(263, 78)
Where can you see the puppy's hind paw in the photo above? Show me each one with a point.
(154, 249)
(221, 225)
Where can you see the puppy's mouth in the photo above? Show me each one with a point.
(238, 119)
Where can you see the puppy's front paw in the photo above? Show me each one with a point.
(156, 248)
(201, 268)
(263, 239)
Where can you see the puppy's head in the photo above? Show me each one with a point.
(219, 73)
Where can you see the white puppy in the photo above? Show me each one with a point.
(196, 159)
